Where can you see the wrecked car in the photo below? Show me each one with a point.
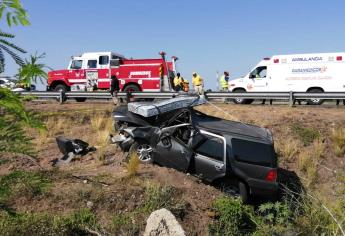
(222, 152)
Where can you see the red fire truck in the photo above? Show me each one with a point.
(93, 71)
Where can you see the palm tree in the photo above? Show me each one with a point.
(32, 70)
(15, 12)
(7, 46)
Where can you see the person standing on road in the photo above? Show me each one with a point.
(178, 82)
(198, 83)
(114, 88)
(224, 82)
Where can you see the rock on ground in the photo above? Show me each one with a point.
(163, 223)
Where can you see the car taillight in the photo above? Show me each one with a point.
(271, 175)
(339, 58)
(276, 60)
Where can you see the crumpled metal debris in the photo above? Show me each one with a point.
(69, 148)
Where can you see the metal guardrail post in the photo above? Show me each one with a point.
(62, 96)
(291, 99)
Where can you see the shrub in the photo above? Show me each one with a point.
(338, 139)
(157, 197)
(305, 134)
(234, 218)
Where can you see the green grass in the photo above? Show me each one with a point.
(77, 223)
(305, 215)
(234, 218)
(22, 183)
(306, 134)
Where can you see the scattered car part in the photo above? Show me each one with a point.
(69, 148)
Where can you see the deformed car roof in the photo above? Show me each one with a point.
(231, 127)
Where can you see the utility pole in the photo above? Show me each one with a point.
(217, 78)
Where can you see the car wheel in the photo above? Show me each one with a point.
(143, 152)
(80, 99)
(315, 101)
(243, 191)
(242, 100)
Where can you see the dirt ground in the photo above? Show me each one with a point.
(106, 169)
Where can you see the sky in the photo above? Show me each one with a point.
(206, 36)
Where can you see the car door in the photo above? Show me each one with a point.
(210, 156)
(173, 153)
(103, 72)
(259, 79)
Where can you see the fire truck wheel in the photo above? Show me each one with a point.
(131, 88)
(80, 99)
(60, 87)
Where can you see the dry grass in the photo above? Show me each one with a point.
(309, 159)
(338, 139)
(287, 149)
(101, 127)
(133, 165)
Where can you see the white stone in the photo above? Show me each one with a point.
(163, 223)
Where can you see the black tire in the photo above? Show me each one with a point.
(315, 101)
(60, 87)
(134, 150)
(243, 192)
(241, 100)
(80, 99)
(131, 88)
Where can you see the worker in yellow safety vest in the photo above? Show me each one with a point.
(224, 82)
(198, 83)
(178, 80)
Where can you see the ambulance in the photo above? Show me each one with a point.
(312, 73)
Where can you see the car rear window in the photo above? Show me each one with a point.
(253, 152)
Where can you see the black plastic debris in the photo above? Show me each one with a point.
(69, 148)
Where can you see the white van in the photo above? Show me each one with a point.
(314, 73)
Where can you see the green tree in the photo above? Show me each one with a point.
(13, 120)
(6, 46)
(15, 15)
(14, 11)
(33, 70)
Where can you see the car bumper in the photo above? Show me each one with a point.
(263, 188)
(123, 142)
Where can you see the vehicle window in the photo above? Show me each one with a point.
(259, 72)
(253, 152)
(184, 117)
(103, 60)
(115, 62)
(76, 64)
(91, 64)
(212, 147)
